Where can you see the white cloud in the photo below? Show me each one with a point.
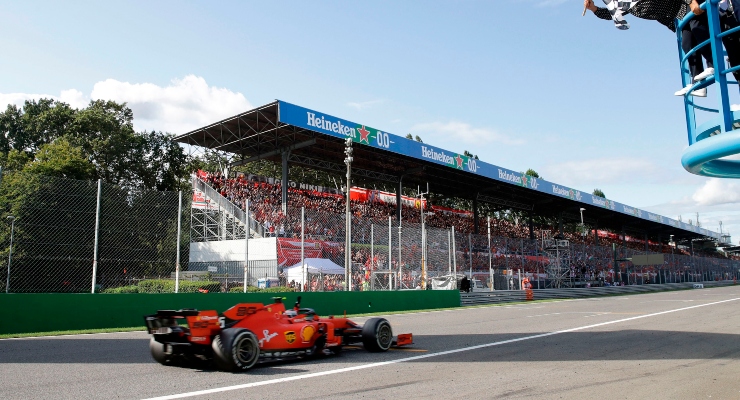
(716, 192)
(455, 130)
(364, 104)
(73, 97)
(550, 3)
(602, 171)
(185, 104)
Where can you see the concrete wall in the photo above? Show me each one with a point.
(45, 312)
(233, 250)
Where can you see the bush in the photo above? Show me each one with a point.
(122, 289)
(168, 286)
(255, 289)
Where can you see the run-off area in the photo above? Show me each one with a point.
(682, 344)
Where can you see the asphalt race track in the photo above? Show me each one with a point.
(677, 345)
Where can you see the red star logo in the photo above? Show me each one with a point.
(459, 161)
(364, 135)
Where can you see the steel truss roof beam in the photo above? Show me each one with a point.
(310, 162)
(505, 203)
(275, 152)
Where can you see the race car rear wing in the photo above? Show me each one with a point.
(164, 319)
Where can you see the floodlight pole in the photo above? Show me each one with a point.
(303, 254)
(348, 217)
(490, 255)
(423, 240)
(246, 245)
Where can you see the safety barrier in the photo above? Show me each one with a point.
(47, 312)
(510, 296)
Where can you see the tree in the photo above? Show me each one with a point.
(409, 136)
(469, 154)
(532, 173)
(63, 160)
(599, 192)
(418, 139)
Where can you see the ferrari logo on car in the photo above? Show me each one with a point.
(290, 337)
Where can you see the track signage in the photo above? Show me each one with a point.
(362, 134)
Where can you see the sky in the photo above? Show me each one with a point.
(520, 83)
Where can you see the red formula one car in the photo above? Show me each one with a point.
(249, 333)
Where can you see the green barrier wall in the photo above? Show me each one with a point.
(46, 312)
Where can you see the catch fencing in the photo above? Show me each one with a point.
(390, 255)
(515, 296)
(63, 235)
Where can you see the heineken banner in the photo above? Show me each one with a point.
(368, 136)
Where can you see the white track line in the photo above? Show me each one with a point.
(414, 358)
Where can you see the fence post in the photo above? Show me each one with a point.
(246, 245)
(97, 236)
(372, 256)
(177, 256)
(470, 255)
(454, 251)
(490, 255)
(303, 254)
(449, 252)
(390, 254)
(400, 271)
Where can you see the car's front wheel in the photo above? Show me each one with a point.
(377, 335)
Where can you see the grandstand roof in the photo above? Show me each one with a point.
(317, 140)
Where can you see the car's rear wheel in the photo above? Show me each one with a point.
(158, 352)
(236, 349)
(377, 335)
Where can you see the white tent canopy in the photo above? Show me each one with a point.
(313, 266)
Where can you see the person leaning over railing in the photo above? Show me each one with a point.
(665, 12)
(699, 26)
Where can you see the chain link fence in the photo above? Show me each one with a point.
(63, 235)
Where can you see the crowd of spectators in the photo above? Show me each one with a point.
(590, 257)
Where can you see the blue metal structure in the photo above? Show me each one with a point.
(718, 137)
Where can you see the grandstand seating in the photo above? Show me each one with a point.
(265, 206)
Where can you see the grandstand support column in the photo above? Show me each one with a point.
(647, 247)
(398, 199)
(624, 253)
(596, 234)
(475, 214)
(284, 182)
(560, 223)
(531, 225)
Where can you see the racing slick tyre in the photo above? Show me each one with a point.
(377, 335)
(236, 349)
(158, 352)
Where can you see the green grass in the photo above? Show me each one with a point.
(75, 332)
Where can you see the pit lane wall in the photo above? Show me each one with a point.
(47, 312)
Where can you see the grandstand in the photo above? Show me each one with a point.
(455, 239)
